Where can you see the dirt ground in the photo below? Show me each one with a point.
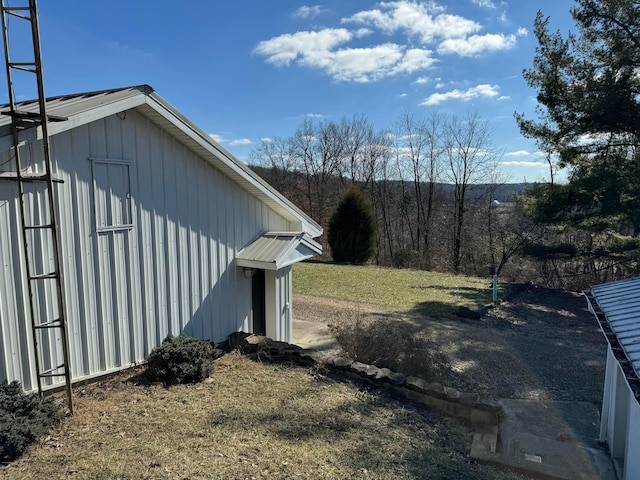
(541, 345)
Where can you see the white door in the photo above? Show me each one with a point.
(114, 244)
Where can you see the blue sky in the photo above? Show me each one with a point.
(247, 70)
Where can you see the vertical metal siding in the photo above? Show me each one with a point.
(125, 290)
(283, 277)
(632, 466)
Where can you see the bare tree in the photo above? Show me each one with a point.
(319, 149)
(365, 150)
(470, 159)
(277, 154)
(419, 153)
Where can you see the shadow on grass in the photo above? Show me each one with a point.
(365, 433)
(472, 298)
(524, 349)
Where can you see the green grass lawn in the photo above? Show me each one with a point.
(436, 294)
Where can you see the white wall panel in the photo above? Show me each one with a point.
(171, 272)
(632, 466)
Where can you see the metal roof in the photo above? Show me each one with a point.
(68, 105)
(82, 108)
(616, 305)
(275, 250)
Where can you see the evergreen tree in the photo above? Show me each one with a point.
(589, 116)
(352, 229)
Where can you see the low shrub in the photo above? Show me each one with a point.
(23, 419)
(182, 360)
(393, 344)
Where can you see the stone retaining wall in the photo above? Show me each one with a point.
(467, 406)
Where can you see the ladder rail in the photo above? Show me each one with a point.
(48, 179)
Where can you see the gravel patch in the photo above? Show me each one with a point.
(541, 345)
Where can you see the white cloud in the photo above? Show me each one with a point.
(307, 11)
(518, 153)
(266, 140)
(309, 46)
(485, 3)
(483, 90)
(319, 50)
(426, 21)
(522, 32)
(421, 80)
(217, 137)
(476, 44)
(240, 141)
(425, 25)
(402, 95)
(314, 115)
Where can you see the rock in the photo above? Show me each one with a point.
(237, 339)
(396, 378)
(372, 371)
(451, 393)
(359, 367)
(256, 339)
(415, 383)
(342, 362)
(383, 375)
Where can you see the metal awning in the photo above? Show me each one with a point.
(616, 306)
(275, 250)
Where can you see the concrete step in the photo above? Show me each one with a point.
(555, 440)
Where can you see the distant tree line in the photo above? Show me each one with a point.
(431, 182)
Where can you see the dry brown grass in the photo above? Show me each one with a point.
(249, 420)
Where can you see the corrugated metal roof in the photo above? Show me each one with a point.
(275, 250)
(68, 105)
(616, 305)
(86, 107)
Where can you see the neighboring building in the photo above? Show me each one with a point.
(162, 232)
(616, 305)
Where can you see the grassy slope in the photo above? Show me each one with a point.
(437, 294)
(249, 420)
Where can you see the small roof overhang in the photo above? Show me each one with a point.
(276, 250)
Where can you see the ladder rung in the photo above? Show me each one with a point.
(44, 276)
(24, 68)
(22, 64)
(29, 177)
(23, 17)
(24, 115)
(36, 227)
(48, 373)
(52, 324)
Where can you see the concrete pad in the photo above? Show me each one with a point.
(553, 439)
(315, 335)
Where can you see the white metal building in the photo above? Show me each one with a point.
(162, 232)
(616, 305)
